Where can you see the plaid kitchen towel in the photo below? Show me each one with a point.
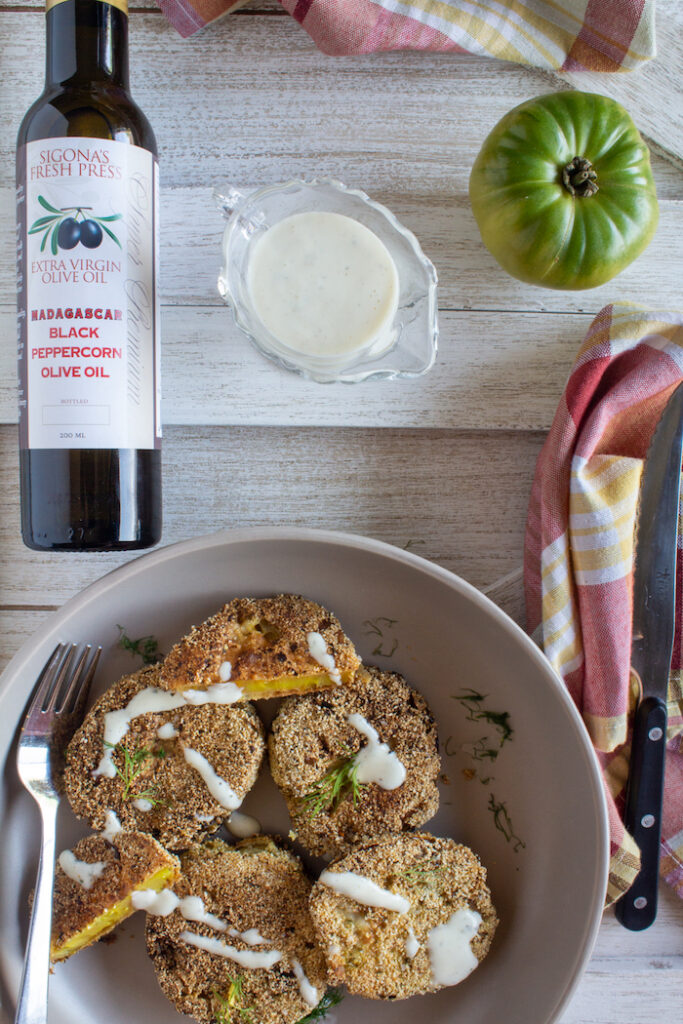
(579, 554)
(561, 35)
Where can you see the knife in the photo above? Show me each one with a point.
(654, 606)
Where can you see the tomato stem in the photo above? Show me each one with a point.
(579, 178)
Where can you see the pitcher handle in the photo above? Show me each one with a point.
(228, 199)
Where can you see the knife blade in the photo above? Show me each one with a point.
(654, 605)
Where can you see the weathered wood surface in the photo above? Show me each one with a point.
(501, 371)
(443, 464)
(455, 497)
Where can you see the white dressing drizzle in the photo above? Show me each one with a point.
(309, 993)
(167, 731)
(243, 957)
(161, 903)
(412, 945)
(153, 700)
(319, 652)
(224, 671)
(217, 693)
(376, 762)
(165, 901)
(142, 804)
(219, 789)
(252, 937)
(112, 825)
(243, 825)
(192, 908)
(364, 890)
(450, 953)
(79, 870)
(204, 817)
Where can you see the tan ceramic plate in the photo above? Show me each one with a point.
(533, 809)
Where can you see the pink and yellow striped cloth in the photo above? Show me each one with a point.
(579, 554)
(561, 35)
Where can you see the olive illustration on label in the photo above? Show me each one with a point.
(91, 234)
(63, 229)
(69, 233)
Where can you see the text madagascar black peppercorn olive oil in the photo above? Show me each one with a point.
(89, 423)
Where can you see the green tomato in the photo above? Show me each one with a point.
(562, 191)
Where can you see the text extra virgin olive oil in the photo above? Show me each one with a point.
(89, 423)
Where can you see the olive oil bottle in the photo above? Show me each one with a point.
(88, 316)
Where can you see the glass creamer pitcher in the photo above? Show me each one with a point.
(328, 283)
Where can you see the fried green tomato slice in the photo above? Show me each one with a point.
(177, 773)
(403, 915)
(314, 750)
(254, 956)
(94, 884)
(270, 647)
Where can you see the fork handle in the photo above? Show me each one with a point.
(32, 1002)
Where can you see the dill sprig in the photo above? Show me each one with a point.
(503, 822)
(332, 997)
(424, 872)
(132, 766)
(473, 703)
(145, 647)
(233, 1003)
(340, 782)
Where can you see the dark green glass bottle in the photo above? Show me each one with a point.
(90, 435)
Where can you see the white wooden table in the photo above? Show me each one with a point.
(444, 463)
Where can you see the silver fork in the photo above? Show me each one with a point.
(54, 712)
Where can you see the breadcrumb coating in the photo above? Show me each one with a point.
(261, 640)
(311, 735)
(80, 916)
(230, 737)
(366, 946)
(254, 884)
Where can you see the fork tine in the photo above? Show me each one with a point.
(77, 692)
(64, 668)
(46, 679)
(73, 677)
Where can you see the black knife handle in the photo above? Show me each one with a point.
(637, 908)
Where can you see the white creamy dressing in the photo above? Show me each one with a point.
(112, 825)
(192, 908)
(167, 731)
(152, 700)
(309, 993)
(161, 903)
(243, 825)
(323, 284)
(164, 902)
(450, 954)
(219, 789)
(204, 818)
(224, 671)
(252, 937)
(319, 652)
(217, 693)
(142, 804)
(243, 957)
(412, 945)
(376, 762)
(364, 890)
(79, 870)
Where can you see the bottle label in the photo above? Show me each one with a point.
(88, 307)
